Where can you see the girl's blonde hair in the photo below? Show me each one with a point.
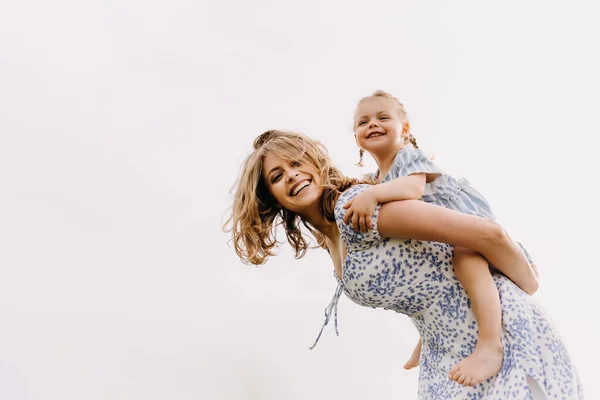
(255, 214)
(400, 110)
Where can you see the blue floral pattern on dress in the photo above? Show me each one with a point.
(416, 278)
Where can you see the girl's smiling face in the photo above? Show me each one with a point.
(378, 126)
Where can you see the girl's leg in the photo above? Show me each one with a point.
(416, 219)
(472, 271)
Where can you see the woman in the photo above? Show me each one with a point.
(290, 180)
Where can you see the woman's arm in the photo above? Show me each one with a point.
(416, 219)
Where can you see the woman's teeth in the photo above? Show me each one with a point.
(298, 188)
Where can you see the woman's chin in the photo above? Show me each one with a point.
(305, 200)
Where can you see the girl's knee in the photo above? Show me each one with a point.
(461, 253)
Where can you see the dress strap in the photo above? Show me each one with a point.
(332, 307)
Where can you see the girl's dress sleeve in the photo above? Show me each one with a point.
(412, 161)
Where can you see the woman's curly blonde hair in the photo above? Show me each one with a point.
(255, 214)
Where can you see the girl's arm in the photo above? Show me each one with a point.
(409, 187)
(413, 168)
(361, 207)
(422, 221)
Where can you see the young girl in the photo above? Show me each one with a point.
(381, 127)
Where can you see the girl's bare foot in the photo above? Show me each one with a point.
(484, 363)
(413, 361)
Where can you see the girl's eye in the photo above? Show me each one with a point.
(361, 123)
(384, 117)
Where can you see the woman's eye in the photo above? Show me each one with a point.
(295, 163)
(276, 178)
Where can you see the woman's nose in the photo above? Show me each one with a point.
(292, 176)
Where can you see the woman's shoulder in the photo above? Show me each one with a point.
(345, 197)
(355, 240)
(350, 193)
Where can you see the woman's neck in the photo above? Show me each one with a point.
(333, 240)
(337, 251)
(327, 228)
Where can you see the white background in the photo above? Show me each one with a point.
(123, 125)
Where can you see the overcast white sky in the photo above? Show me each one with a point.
(123, 125)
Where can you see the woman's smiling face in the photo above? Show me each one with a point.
(294, 186)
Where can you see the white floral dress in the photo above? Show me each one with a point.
(416, 278)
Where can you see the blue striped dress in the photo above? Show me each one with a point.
(444, 190)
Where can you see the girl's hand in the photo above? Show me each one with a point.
(360, 210)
